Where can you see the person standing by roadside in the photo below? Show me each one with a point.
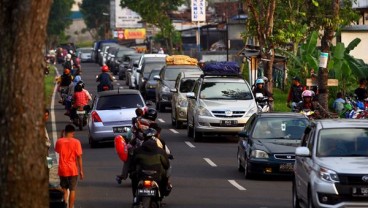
(70, 163)
(361, 91)
(47, 138)
(295, 93)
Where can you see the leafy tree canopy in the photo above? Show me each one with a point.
(59, 17)
(92, 11)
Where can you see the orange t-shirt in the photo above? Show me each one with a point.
(68, 149)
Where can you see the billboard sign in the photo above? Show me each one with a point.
(198, 8)
(130, 34)
(126, 18)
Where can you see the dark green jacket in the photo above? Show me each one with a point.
(150, 157)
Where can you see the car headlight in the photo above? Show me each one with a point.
(259, 154)
(328, 175)
(165, 89)
(202, 111)
(251, 111)
(183, 102)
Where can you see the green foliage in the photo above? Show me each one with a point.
(279, 102)
(49, 83)
(96, 22)
(59, 18)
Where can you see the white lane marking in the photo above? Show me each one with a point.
(189, 144)
(160, 120)
(234, 183)
(210, 162)
(174, 131)
(53, 119)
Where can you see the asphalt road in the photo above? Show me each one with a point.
(204, 174)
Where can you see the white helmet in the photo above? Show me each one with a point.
(68, 56)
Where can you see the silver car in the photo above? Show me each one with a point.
(331, 168)
(84, 54)
(184, 83)
(219, 105)
(112, 111)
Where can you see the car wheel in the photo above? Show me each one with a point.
(247, 173)
(310, 200)
(296, 202)
(92, 143)
(197, 136)
(178, 124)
(189, 129)
(161, 108)
(240, 166)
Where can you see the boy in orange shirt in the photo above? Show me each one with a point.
(70, 160)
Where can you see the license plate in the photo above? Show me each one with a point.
(288, 167)
(229, 122)
(81, 112)
(360, 191)
(118, 129)
(146, 192)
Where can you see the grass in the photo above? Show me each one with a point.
(49, 83)
(279, 100)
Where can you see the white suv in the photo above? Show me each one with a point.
(219, 105)
(331, 168)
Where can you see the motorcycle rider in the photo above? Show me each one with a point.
(149, 157)
(105, 79)
(295, 93)
(68, 64)
(81, 98)
(308, 104)
(64, 82)
(259, 88)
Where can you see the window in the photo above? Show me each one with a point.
(186, 85)
(121, 101)
(225, 91)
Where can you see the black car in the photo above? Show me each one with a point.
(117, 58)
(267, 143)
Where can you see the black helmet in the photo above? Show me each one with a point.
(81, 83)
(149, 133)
(151, 114)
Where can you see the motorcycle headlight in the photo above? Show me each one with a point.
(202, 111)
(259, 154)
(183, 102)
(328, 175)
(165, 89)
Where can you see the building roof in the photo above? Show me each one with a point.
(354, 28)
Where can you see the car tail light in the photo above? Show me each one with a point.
(147, 184)
(96, 117)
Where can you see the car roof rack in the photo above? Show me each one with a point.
(222, 75)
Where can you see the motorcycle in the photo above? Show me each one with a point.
(148, 191)
(309, 113)
(80, 119)
(262, 103)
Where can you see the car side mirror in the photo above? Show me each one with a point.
(243, 134)
(302, 152)
(174, 90)
(156, 77)
(191, 95)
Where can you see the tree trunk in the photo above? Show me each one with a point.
(23, 170)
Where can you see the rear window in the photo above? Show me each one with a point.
(119, 102)
(149, 66)
(172, 73)
(186, 85)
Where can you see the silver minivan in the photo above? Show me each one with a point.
(184, 83)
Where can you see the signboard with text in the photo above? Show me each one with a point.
(198, 8)
(130, 34)
(126, 18)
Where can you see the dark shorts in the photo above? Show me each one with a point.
(69, 182)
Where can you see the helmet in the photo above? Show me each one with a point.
(81, 83)
(104, 68)
(68, 56)
(260, 81)
(307, 93)
(149, 133)
(151, 114)
(66, 71)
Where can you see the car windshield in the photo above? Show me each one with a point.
(149, 66)
(120, 101)
(343, 142)
(172, 73)
(153, 73)
(85, 50)
(225, 91)
(186, 85)
(280, 128)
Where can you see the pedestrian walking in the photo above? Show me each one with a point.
(70, 163)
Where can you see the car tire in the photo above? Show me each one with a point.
(189, 130)
(161, 108)
(240, 166)
(197, 136)
(295, 199)
(92, 143)
(310, 200)
(247, 173)
(178, 124)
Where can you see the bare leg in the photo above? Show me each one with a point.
(71, 199)
(65, 195)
